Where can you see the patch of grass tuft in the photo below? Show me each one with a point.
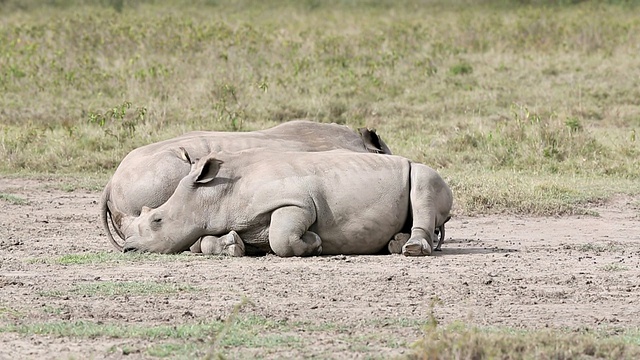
(13, 199)
(111, 288)
(7, 311)
(461, 68)
(112, 257)
(88, 329)
(614, 267)
(600, 247)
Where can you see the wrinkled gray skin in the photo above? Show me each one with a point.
(299, 204)
(147, 176)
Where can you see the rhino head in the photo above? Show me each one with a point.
(156, 192)
(178, 223)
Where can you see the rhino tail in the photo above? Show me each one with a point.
(441, 235)
(105, 215)
(372, 142)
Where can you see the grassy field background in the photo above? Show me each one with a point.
(524, 106)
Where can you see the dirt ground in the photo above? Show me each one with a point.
(522, 272)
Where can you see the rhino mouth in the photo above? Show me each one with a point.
(130, 245)
(136, 244)
(127, 249)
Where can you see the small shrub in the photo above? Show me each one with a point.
(573, 124)
(118, 121)
(462, 68)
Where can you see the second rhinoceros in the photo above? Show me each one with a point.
(299, 204)
(148, 175)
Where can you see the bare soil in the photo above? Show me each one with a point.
(517, 271)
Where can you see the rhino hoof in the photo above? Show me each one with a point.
(234, 250)
(195, 248)
(396, 244)
(230, 244)
(233, 244)
(210, 245)
(416, 247)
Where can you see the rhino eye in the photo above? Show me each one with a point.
(156, 223)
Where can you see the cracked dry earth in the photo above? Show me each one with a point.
(521, 272)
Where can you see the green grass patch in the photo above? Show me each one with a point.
(13, 199)
(598, 247)
(112, 257)
(107, 257)
(171, 349)
(615, 267)
(217, 337)
(111, 288)
(88, 329)
(462, 68)
(9, 312)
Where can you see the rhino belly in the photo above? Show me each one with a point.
(256, 239)
(363, 226)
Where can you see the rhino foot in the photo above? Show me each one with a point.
(416, 247)
(233, 244)
(230, 244)
(396, 244)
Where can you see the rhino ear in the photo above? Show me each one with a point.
(372, 141)
(207, 170)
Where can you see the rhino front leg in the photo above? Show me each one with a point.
(230, 244)
(289, 235)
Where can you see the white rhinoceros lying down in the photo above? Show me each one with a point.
(148, 175)
(299, 204)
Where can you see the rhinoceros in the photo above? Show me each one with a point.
(299, 204)
(148, 175)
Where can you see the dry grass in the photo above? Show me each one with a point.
(460, 342)
(490, 94)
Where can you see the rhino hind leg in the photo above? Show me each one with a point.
(230, 244)
(289, 235)
(429, 207)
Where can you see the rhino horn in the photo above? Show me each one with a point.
(107, 214)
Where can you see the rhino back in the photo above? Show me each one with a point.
(148, 175)
(313, 136)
